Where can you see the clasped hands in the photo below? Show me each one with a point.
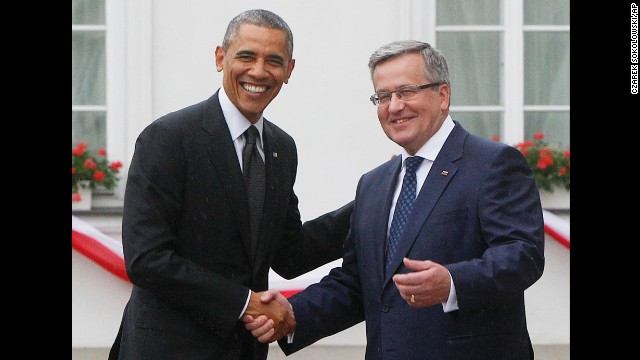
(269, 316)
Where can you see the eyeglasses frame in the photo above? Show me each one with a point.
(373, 98)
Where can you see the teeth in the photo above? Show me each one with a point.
(254, 88)
(400, 121)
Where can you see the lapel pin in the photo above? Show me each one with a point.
(275, 154)
(444, 172)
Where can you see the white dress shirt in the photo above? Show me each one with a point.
(238, 124)
(428, 151)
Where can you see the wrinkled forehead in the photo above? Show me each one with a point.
(407, 69)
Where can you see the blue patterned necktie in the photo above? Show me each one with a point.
(403, 206)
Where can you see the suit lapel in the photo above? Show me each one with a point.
(442, 172)
(388, 186)
(222, 155)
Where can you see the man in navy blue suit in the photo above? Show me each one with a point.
(453, 287)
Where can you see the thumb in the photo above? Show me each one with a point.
(268, 295)
(417, 265)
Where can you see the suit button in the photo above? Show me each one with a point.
(385, 308)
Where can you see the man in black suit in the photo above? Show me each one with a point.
(186, 222)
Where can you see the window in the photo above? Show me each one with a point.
(88, 73)
(97, 80)
(509, 66)
(546, 75)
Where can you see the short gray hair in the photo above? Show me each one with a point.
(436, 68)
(258, 17)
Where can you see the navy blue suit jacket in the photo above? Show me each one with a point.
(482, 220)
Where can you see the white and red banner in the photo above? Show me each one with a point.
(107, 252)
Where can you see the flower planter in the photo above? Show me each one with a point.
(91, 168)
(85, 197)
(558, 199)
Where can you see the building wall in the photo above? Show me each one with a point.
(169, 55)
(99, 297)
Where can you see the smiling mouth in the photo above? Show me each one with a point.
(400, 121)
(256, 89)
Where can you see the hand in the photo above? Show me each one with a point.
(269, 320)
(429, 283)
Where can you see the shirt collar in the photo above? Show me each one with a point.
(236, 122)
(432, 147)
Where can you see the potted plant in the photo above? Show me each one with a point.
(551, 168)
(90, 171)
(550, 165)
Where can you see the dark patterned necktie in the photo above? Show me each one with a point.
(403, 207)
(253, 169)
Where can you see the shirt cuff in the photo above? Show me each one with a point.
(246, 304)
(452, 301)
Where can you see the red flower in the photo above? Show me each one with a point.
(544, 161)
(94, 167)
(550, 165)
(79, 149)
(116, 165)
(75, 197)
(525, 144)
(546, 152)
(90, 164)
(99, 175)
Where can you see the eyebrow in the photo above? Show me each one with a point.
(398, 87)
(253, 53)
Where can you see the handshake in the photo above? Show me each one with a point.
(269, 316)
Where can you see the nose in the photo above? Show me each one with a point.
(395, 103)
(258, 69)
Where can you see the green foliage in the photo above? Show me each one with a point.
(93, 167)
(550, 166)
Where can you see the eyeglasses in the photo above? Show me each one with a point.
(406, 92)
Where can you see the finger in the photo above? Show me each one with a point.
(259, 322)
(268, 295)
(267, 337)
(291, 323)
(417, 265)
(407, 280)
(404, 293)
(403, 289)
(263, 329)
(247, 319)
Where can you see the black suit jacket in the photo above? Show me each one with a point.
(186, 237)
(479, 214)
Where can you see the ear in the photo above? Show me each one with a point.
(292, 64)
(219, 58)
(445, 97)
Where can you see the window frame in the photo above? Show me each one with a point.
(128, 35)
(418, 20)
